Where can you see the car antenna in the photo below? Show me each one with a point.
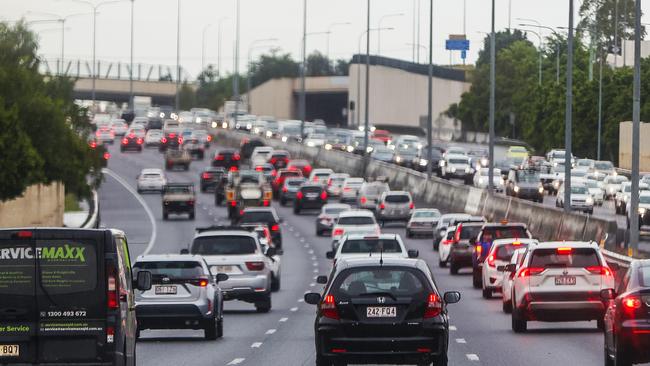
(381, 254)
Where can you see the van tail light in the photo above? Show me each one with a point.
(266, 203)
(434, 306)
(363, 200)
(107, 155)
(275, 227)
(172, 135)
(112, 295)
(285, 189)
(206, 176)
(631, 303)
(233, 203)
(530, 271)
(299, 195)
(382, 206)
(110, 334)
(457, 233)
(328, 308)
(255, 266)
(259, 168)
(219, 158)
(323, 195)
(125, 141)
(490, 260)
(338, 232)
(412, 205)
(180, 140)
(209, 138)
(236, 157)
(139, 141)
(599, 270)
(478, 249)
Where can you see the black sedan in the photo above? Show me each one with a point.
(227, 158)
(381, 311)
(310, 196)
(131, 142)
(627, 319)
(211, 177)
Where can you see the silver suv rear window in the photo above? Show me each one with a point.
(397, 198)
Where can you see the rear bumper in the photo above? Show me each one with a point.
(421, 229)
(559, 311)
(635, 339)
(385, 216)
(249, 289)
(172, 316)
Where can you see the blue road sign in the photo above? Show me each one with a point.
(463, 54)
(457, 44)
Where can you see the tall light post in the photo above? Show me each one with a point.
(636, 130)
(220, 21)
(539, 36)
(430, 93)
(131, 57)
(207, 26)
(236, 66)
(178, 55)
(557, 46)
(255, 44)
(302, 103)
(329, 32)
(383, 17)
(94, 8)
(358, 101)
(366, 123)
(568, 114)
(492, 102)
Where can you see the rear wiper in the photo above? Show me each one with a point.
(387, 294)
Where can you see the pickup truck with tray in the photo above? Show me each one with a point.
(177, 157)
(179, 198)
(246, 188)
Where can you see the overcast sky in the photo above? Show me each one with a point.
(155, 27)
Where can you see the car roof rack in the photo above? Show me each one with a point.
(224, 228)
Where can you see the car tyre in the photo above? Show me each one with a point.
(453, 268)
(263, 306)
(441, 263)
(165, 215)
(506, 306)
(275, 284)
(441, 360)
(487, 293)
(409, 234)
(620, 355)
(476, 280)
(519, 325)
(296, 211)
(283, 201)
(192, 215)
(210, 329)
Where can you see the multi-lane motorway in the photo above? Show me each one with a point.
(480, 332)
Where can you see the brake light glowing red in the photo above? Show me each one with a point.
(338, 231)
(564, 250)
(125, 141)
(172, 135)
(236, 157)
(631, 303)
(412, 205)
(233, 169)
(363, 200)
(180, 140)
(457, 233)
(112, 297)
(599, 270)
(273, 161)
(447, 242)
(163, 140)
(219, 157)
(93, 144)
(285, 189)
(206, 176)
(233, 203)
(338, 350)
(299, 195)
(110, 334)
(382, 206)
(323, 195)
(266, 203)
(255, 266)
(434, 306)
(24, 234)
(328, 308)
(274, 173)
(530, 271)
(275, 227)
(209, 138)
(258, 168)
(139, 141)
(107, 156)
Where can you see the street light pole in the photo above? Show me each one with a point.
(600, 101)
(539, 79)
(568, 115)
(557, 46)
(203, 45)
(219, 45)
(492, 101)
(131, 56)
(366, 106)
(379, 29)
(178, 54)
(430, 93)
(636, 129)
(329, 31)
(303, 101)
(236, 75)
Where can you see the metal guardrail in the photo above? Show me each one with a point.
(92, 222)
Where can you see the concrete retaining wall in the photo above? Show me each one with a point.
(40, 205)
(546, 223)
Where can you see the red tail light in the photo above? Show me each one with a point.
(631, 303)
(125, 141)
(241, 212)
(285, 189)
(219, 157)
(363, 200)
(307, 169)
(206, 176)
(273, 161)
(163, 140)
(265, 203)
(434, 306)
(172, 135)
(299, 195)
(107, 156)
(323, 195)
(255, 266)
(258, 168)
(233, 169)
(209, 138)
(382, 206)
(190, 203)
(139, 141)
(112, 295)
(338, 232)
(275, 227)
(93, 144)
(490, 260)
(180, 140)
(600, 270)
(328, 308)
(236, 157)
(233, 203)
(274, 173)
(412, 205)
(530, 271)
(457, 233)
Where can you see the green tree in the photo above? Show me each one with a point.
(318, 65)
(272, 66)
(598, 18)
(342, 67)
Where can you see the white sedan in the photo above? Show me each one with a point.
(151, 180)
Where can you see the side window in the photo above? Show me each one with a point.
(622, 286)
(126, 279)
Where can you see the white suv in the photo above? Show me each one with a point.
(499, 255)
(560, 281)
(360, 245)
(354, 222)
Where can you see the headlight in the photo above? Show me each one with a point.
(398, 159)
(516, 189)
(540, 189)
(162, 115)
(642, 211)
(269, 133)
(369, 149)
(310, 144)
(614, 173)
(328, 146)
(372, 128)
(589, 201)
(467, 170)
(424, 162)
(249, 126)
(484, 162)
(214, 124)
(419, 146)
(556, 184)
(198, 120)
(224, 125)
(361, 128)
(237, 125)
(392, 147)
(480, 181)
(174, 116)
(284, 139)
(441, 163)
(350, 148)
(452, 169)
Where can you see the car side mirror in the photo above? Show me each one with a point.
(312, 298)
(510, 267)
(451, 297)
(412, 253)
(608, 294)
(185, 251)
(279, 251)
(271, 251)
(220, 277)
(321, 279)
(329, 255)
(143, 281)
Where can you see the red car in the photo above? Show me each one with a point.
(382, 135)
(302, 165)
(281, 176)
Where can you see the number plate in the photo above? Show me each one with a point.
(9, 350)
(565, 280)
(166, 290)
(224, 269)
(381, 312)
(312, 195)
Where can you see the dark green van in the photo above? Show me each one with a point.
(66, 297)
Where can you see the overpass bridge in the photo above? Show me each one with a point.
(112, 79)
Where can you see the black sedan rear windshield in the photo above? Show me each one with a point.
(257, 216)
(371, 246)
(503, 232)
(468, 232)
(178, 189)
(397, 198)
(377, 281)
(171, 269)
(356, 220)
(224, 245)
(575, 257)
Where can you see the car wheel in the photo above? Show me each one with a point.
(263, 306)
(487, 293)
(519, 325)
(210, 329)
(600, 324)
(275, 284)
(476, 280)
(283, 201)
(620, 355)
(453, 268)
(220, 328)
(441, 263)
(441, 360)
(296, 211)
(506, 306)
(165, 215)
(140, 191)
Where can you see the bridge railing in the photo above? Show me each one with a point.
(112, 70)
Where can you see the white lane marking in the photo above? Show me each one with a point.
(306, 245)
(452, 327)
(297, 235)
(236, 361)
(301, 300)
(294, 309)
(152, 219)
(210, 213)
(270, 331)
(311, 251)
(313, 258)
(302, 240)
(256, 345)
(461, 340)
(472, 357)
(315, 271)
(282, 320)
(312, 284)
(315, 264)
(290, 228)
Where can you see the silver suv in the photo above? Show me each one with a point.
(184, 295)
(237, 252)
(395, 206)
(370, 193)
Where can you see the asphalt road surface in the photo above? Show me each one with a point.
(480, 333)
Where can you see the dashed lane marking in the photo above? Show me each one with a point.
(313, 258)
(452, 328)
(312, 284)
(271, 331)
(256, 345)
(294, 309)
(461, 340)
(282, 320)
(315, 264)
(236, 361)
(302, 240)
(472, 357)
(290, 228)
(315, 271)
(311, 251)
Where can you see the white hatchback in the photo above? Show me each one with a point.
(499, 255)
(362, 246)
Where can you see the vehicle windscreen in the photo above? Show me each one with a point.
(178, 190)
(558, 155)
(576, 257)
(503, 232)
(257, 216)
(505, 252)
(249, 178)
(426, 214)
(604, 165)
(356, 220)
(224, 245)
(361, 282)
(458, 161)
(371, 246)
(397, 198)
(171, 269)
(468, 232)
(527, 177)
(579, 190)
